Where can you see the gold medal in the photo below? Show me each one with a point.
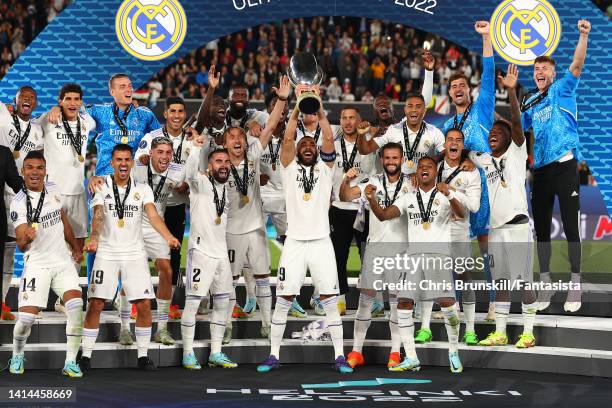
(121, 223)
(16, 154)
(34, 226)
(426, 225)
(245, 199)
(124, 139)
(410, 164)
(81, 158)
(504, 184)
(306, 196)
(218, 220)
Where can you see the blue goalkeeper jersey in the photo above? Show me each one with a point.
(555, 122)
(139, 122)
(480, 119)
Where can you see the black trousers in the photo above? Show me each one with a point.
(342, 234)
(175, 221)
(557, 180)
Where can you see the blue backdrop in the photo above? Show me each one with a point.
(81, 46)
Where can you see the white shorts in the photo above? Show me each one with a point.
(8, 197)
(273, 204)
(206, 274)
(252, 246)
(36, 281)
(511, 252)
(75, 207)
(155, 245)
(135, 279)
(297, 257)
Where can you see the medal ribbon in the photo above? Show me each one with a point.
(176, 155)
(463, 119)
(122, 122)
(21, 139)
(219, 204)
(32, 215)
(75, 141)
(398, 187)
(347, 164)
(426, 214)
(451, 176)
(120, 205)
(500, 167)
(242, 185)
(411, 150)
(158, 189)
(308, 183)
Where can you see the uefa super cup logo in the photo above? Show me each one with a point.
(151, 29)
(523, 30)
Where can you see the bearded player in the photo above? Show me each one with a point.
(391, 185)
(429, 211)
(246, 235)
(117, 236)
(307, 184)
(42, 230)
(208, 265)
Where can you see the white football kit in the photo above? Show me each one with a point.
(121, 251)
(47, 260)
(65, 167)
(208, 266)
(272, 195)
(308, 246)
(510, 243)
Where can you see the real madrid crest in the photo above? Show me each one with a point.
(459, 182)
(195, 286)
(436, 202)
(25, 296)
(427, 143)
(187, 150)
(137, 196)
(57, 200)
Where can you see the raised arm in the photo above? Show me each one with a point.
(288, 151)
(159, 225)
(428, 62)
(365, 146)
(348, 193)
(283, 94)
(509, 82)
(327, 147)
(204, 113)
(584, 27)
(482, 27)
(456, 206)
(382, 214)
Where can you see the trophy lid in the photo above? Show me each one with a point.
(304, 70)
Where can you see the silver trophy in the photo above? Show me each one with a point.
(304, 70)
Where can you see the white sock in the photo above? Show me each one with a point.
(379, 297)
(232, 303)
(451, 321)
(74, 327)
(264, 299)
(396, 341)
(249, 282)
(143, 339)
(217, 321)
(334, 324)
(529, 314)
(363, 318)
(163, 308)
(9, 255)
(188, 322)
(89, 341)
(469, 310)
(502, 310)
(279, 321)
(426, 307)
(125, 308)
(405, 325)
(21, 331)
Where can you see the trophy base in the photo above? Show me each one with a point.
(309, 103)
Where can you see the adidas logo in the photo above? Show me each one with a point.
(146, 291)
(411, 206)
(574, 194)
(108, 196)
